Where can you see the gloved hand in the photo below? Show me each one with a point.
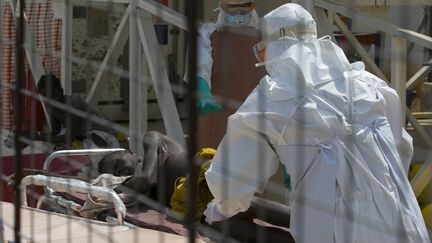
(212, 213)
(205, 100)
(287, 181)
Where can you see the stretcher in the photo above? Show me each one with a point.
(69, 196)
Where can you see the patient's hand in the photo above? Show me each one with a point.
(127, 199)
(10, 180)
(136, 184)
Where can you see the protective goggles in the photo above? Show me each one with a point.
(293, 31)
(236, 8)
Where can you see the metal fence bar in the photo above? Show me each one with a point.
(66, 50)
(191, 13)
(18, 115)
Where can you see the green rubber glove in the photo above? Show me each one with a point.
(287, 181)
(205, 101)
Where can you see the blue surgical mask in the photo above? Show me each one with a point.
(238, 20)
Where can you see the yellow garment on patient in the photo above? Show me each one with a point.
(179, 198)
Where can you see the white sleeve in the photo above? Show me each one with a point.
(394, 110)
(243, 164)
(406, 150)
(204, 53)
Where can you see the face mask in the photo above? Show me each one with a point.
(238, 20)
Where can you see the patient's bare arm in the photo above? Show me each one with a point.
(164, 161)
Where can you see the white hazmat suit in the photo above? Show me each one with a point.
(335, 127)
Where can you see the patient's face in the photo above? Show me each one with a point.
(119, 164)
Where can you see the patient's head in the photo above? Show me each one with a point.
(120, 163)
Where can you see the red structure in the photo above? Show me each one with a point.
(46, 31)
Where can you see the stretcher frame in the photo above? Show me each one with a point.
(52, 185)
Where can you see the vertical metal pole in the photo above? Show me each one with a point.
(143, 108)
(133, 77)
(399, 70)
(191, 13)
(140, 102)
(173, 58)
(66, 52)
(18, 114)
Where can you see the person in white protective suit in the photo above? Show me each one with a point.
(335, 127)
(232, 13)
(225, 67)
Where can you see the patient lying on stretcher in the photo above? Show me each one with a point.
(164, 162)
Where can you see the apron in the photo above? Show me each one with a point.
(234, 76)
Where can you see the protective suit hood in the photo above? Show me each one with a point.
(291, 22)
(294, 57)
(288, 15)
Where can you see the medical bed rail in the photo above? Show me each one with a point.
(74, 152)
